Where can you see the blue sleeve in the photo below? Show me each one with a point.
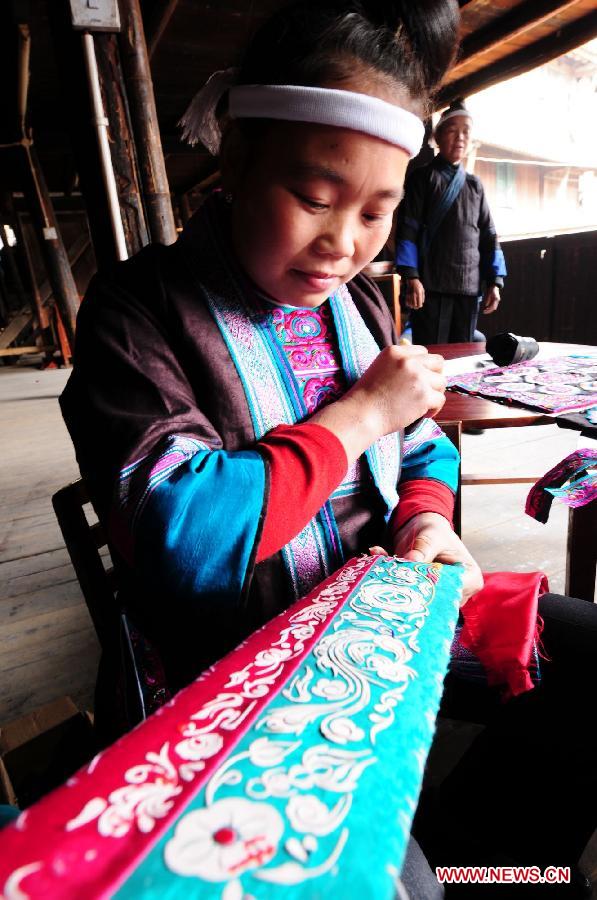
(493, 263)
(428, 453)
(195, 516)
(408, 226)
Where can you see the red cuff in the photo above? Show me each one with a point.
(306, 464)
(422, 495)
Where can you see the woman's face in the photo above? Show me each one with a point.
(454, 139)
(313, 206)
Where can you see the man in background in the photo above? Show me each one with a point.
(447, 250)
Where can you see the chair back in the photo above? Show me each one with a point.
(387, 279)
(84, 542)
(99, 583)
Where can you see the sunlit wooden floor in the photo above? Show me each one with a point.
(47, 644)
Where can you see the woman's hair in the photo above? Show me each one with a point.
(410, 43)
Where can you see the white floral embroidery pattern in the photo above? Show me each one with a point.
(151, 788)
(224, 840)
(367, 650)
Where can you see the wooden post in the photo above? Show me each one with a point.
(46, 224)
(12, 267)
(3, 300)
(24, 261)
(139, 85)
(122, 143)
(40, 310)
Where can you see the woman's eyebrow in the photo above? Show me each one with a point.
(390, 194)
(312, 170)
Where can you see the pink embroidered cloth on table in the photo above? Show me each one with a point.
(281, 770)
(558, 385)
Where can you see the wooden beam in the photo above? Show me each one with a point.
(25, 351)
(163, 10)
(13, 329)
(513, 24)
(565, 39)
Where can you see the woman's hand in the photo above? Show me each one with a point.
(491, 299)
(428, 537)
(415, 293)
(401, 385)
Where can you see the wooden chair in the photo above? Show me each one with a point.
(384, 273)
(84, 542)
(98, 579)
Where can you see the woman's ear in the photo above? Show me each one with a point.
(233, 157)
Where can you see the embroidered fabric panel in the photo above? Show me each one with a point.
(580, 490)
(558, 385)
(138, 480)
(307, 336)
(428, 453)
(308, 339)
(425, 430)
(266, 773)
(358, 349)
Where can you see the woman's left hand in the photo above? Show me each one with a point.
(428, 537)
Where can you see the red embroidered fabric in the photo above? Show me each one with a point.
(501, 627)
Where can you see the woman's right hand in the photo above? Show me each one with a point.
(402, 384)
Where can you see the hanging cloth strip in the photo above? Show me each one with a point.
(580, 490)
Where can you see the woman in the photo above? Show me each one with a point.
(241, 415)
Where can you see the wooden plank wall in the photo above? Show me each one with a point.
(551, 289)
(47, 642)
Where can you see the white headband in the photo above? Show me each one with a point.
(450, 115)
(327, 106)
(294, 103)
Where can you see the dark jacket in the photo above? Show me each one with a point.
(464, 254)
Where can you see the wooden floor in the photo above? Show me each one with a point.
(47, 643)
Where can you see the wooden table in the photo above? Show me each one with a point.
(477, 412)
(462, 410)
